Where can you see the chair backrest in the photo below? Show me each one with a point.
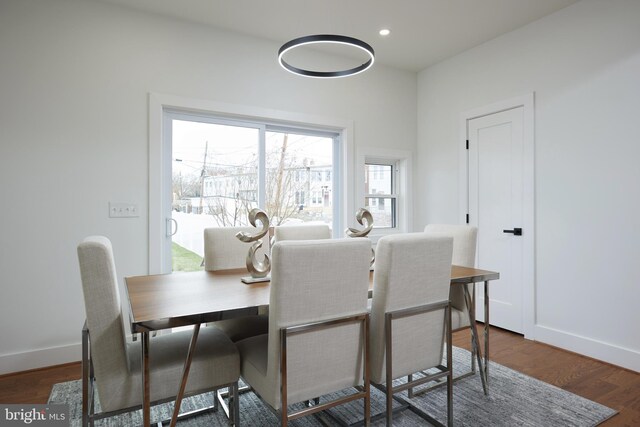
(464, 241)
(104, 314)
(411, 270)
(302, 232)
(313, 281)
(224, 251)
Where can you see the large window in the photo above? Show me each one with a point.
(221, 169)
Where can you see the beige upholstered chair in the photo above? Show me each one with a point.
(115, 365)
(224, 251)
(316, 340)
(464, 254)
(302, 232)
(410, 315)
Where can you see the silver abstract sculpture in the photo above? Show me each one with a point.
(258, 269)
(352, 232)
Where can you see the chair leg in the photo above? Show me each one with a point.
(235, 406)
(388, 336)
(85, 378)
(449, 368)
(450, 399)
(389, 396)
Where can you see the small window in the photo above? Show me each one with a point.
(380, 194)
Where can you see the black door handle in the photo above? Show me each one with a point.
(515, 231)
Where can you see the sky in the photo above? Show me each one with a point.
(236, 145)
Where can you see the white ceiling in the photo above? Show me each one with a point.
(424, 32)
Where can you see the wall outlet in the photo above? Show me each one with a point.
(123, 210)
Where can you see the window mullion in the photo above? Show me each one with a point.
(381, 195)
(262, 168)
(337, 192)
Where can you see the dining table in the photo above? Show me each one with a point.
(165, 301)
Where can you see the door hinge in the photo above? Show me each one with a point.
(467, 218)
(467, 144)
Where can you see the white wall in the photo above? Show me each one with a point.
(74, 83)
(583, 63)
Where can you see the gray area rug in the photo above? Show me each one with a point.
(515, 399)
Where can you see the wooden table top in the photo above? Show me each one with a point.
(179, 299)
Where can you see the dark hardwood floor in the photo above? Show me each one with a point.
(35, 386)
(607, 384)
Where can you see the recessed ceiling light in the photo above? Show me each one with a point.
(385, 32)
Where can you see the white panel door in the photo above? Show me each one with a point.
(496, 208)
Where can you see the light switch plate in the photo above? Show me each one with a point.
(123, 210)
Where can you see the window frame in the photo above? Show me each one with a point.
(401, 182)
(393, 195)
(160, 174)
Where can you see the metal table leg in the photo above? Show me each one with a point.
(146, 397)
(185, 374)
(473, 307)
(486, 332)
(475, 340)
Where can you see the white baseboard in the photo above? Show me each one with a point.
(40, 358)
(610, 353)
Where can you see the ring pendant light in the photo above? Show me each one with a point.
(326, 38)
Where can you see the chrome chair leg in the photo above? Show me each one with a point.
(85, 376)
(235, 405)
